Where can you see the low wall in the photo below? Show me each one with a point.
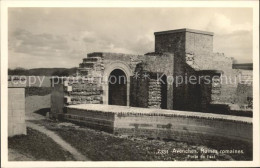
(95, 119)
(182, 128)
(158, 123)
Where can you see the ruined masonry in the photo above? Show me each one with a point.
(144, 106)
(182, 52)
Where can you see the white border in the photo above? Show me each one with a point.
(4, 65)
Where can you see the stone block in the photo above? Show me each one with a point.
(68, 88)
(66, 83)
(67, 99)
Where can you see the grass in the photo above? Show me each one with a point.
(101, 146)
(38, 145)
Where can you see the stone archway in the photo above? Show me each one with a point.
(116, 65)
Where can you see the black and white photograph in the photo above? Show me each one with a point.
(169, 83)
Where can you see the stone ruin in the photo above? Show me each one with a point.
(182, 52)
(148, 103)
(144, 106)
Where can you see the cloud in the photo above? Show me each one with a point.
(40, 50)
(237, 45)
(221, 24)
(60, 37)
(130, 44)
(140, 45)
(232, 38)
(44, 44)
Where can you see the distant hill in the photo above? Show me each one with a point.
(247, 66)
(43, 71)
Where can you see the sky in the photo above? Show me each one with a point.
(62, 37)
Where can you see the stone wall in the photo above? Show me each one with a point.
(175, 127)
(16, 110)
(148, 93)
(244, 90)
(228, 88)
(99, 120)
(199, 43)
(129, 59)
(193, 53)
(85, 93)
(174, 42)
(96, 65)
(170, 41)
(58, 100)
(100, 70)
(188, 46)
(153, 72)
(191, 127)
(88, 86)
(154, 94)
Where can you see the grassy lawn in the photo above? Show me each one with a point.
(38, 145)
(101, 146)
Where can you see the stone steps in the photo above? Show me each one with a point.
(95, 54)
(86, 65)
(91, 59)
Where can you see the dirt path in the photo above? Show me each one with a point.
(59, 141)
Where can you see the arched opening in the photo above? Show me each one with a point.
(164, 92)
(117, 88)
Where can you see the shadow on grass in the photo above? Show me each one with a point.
(42, 111)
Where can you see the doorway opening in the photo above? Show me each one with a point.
(163, 84)
(117, 94)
